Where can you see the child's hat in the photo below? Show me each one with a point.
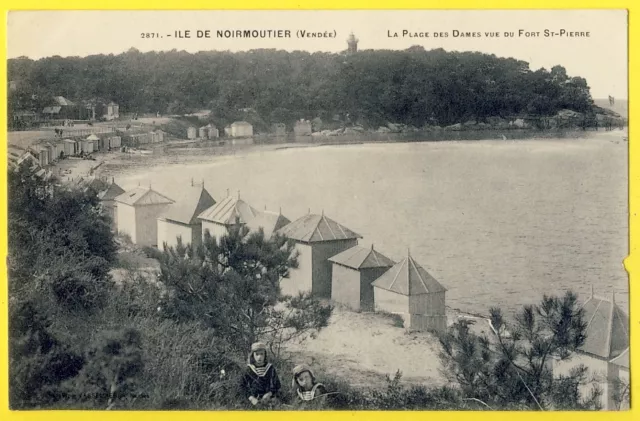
(257, 346)
(299, 369)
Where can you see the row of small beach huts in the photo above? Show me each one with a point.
(48, 151)
(245, 129)
(331, 264)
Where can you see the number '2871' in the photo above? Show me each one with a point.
(149, 35)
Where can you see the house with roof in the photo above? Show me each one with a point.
(241, 129)
(137, 214)
(605, 351)
(61, 108)
(181, 218)
(228, 213)
(409, 290)
(317, 238)
(107, 198)
(353, 272)
(268, 221)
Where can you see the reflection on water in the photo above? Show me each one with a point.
(498, 223)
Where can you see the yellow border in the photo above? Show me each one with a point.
(631, 262)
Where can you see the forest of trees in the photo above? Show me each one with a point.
(413, 86)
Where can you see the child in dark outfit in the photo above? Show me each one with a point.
(308, 390)
(260, 382)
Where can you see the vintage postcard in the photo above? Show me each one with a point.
(329, 210)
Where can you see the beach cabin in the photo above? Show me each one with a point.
(241, 129)
(113, 111)
(41, 153)
(302, 128)
(95, 140)
(157, 136)
(353, 272)
(87, 145)
(137, 214)
(191, 133)
(229, 212)
(279, 129)
(212, 131)
(605, 352)
(115, 142)
(53, 150)
(317, 238)
(270, 222)
(69, 147)
(409, 290)
(181, 218)
(103, 143)
(108, 201)
(58, 149)
(203, 132)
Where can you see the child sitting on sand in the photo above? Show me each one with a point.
(307, 388)
(260, 382)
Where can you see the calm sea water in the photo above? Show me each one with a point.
(497, 223)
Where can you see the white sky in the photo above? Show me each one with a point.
(600, 58)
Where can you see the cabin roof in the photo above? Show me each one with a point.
(270, 222)
(607, 328)
(228, 210)
(316, 228)
(190, 203)
(141, 196)
(408, 278)
(362, 258)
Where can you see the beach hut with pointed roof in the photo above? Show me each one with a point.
(137, 214)
(181, 218)
(107, 201)
(317, 238)
(605, 351)
(229, 212)
(409, 290)
(269, 222)
(353, 272)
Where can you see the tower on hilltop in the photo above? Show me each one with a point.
(352, 43)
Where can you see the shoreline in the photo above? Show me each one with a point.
(182, 152)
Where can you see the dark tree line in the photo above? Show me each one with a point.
(413, 86)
